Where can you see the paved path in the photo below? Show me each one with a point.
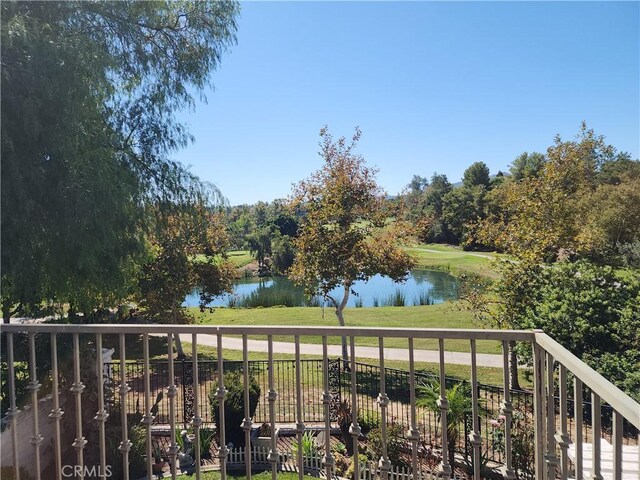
(402, 354)
(471, 254)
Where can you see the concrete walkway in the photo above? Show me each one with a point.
(461, 253)
(401, 354)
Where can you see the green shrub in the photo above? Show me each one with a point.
(234, 405)
(206, 440)
(137, 453)
(362, 458)
(394, 441)
(309, 446)
(339, 448)
(342, 463)
(368, 420)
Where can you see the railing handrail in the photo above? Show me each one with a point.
(286, 330)
(619, 401)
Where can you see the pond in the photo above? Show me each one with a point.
(423, 287)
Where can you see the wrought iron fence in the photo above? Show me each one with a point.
(368, 386)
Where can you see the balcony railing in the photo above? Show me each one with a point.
(561, 382)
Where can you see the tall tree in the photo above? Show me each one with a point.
(343, 237)
(476, 175)
(417, 184)
(430, 217)
(542, 217)
(527, 165)
(462, 207)
(187, 253)
(89, 91)
(561, 213)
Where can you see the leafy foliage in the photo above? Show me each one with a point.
(590, 309)
(476, 175)
(343, 236)
(187, 252)
(541, 218)
(89, 91)
(460, 407)
(394, 441)
(527, 165)
(234, 405)
(308, 447)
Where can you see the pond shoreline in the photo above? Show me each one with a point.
(422, 287)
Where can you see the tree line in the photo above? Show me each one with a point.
(578, 199)
(568, 219)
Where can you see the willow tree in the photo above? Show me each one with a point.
(89, 95)
(345, 235)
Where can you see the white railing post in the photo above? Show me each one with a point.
(538, 410)
(171, 394)
(328, 459)
(271, 397)
(506, 408)
(77, 388)
(33, 387)
(299, 422)
(474, 436)
(354, 429)
(617, 446)
(550, 456)
(443, 403)
(578, 417)
(383, 400)
(562, 437)
(13, 410)
(596, 434)
(247, 422)
(220, 395)
(101, 414)
(125, 444)
(414, 433)
(56, 412)
(147, 419)
(196, 422)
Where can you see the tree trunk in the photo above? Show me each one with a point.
(179, 349)
(513, 367)
(6, 313)
(178, 342)
(339, 310)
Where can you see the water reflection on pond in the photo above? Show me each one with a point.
(421, 288)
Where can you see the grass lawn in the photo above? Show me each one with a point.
(240, 258)
(444, 315)
(454, 259)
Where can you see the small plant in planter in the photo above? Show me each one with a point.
(234, 413)
(309, 448)
(261, 437)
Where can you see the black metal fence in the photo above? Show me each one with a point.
(368, 388)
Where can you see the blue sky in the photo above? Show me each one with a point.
(433, 86)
